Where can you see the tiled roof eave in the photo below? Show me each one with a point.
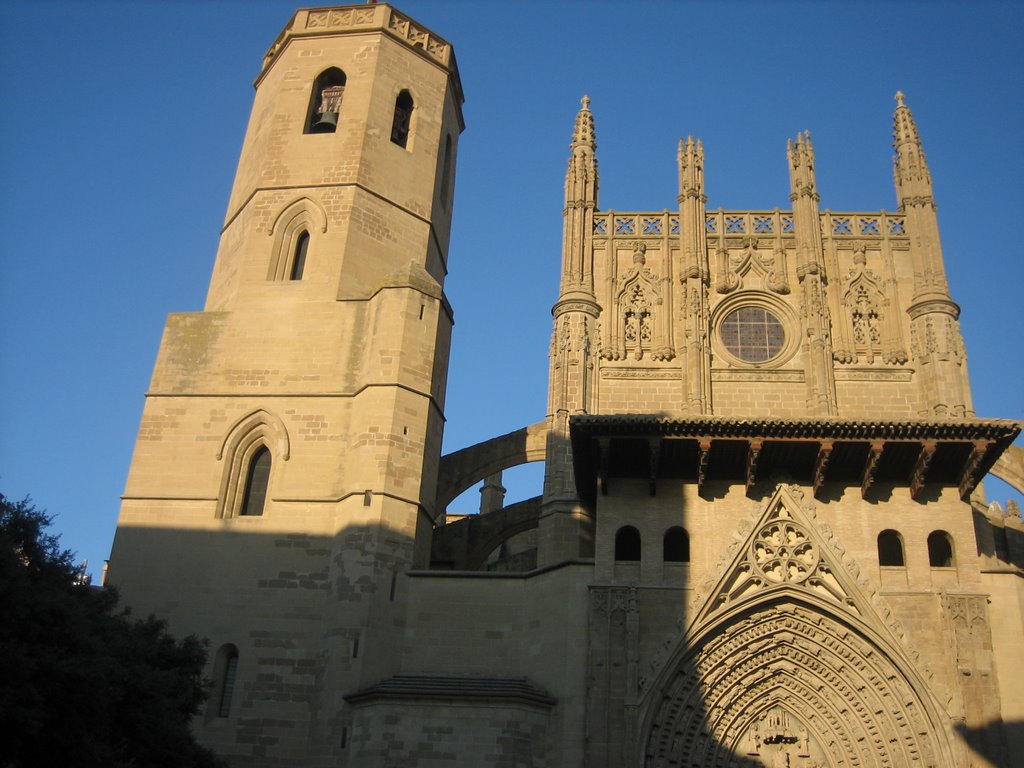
(622, 425)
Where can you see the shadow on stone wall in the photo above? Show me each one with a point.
(993, 741)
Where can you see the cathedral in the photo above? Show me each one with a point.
(759, 543)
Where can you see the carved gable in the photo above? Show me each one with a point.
(785, 548)
(791, 661)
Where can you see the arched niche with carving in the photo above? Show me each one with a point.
(870, 331)
(637, 323)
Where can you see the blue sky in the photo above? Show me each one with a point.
(123, 123)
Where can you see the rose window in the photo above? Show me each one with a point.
(753, 334)
(783, 552)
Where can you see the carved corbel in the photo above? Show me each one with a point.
(969, 474)
(753, 454)
(924, 460)
(871, 466)
(821, 465)
(704, 448)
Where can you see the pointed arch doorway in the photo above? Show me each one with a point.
(791, 663)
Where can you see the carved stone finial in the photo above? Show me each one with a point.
(585, 102)
(639, 252)
(899, 99)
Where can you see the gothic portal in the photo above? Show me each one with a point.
(758, 542)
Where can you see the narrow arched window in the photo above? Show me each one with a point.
(446, 171)
(299, 257)
(256, 482)
(676, 546)
(403, 119)
(627, 544)
(940, 550)
(890, 549)
(225, 673)
(325, 102)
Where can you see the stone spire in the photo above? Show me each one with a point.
(910, 171)
(935, 339)
(801, 167)
(580, 202)
(581, 179)
(810, 270)
(696, 350)
(566, 528)
(583, 132)
(690, 157)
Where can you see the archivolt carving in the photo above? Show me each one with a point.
(260, 423)
(639, 321)
(849, 699)
(789, 633)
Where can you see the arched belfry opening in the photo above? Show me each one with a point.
(401, 125)
(325, 100)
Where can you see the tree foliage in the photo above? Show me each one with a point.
(81, 682)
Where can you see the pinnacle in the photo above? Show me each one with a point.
(583, 132)
(904, 128)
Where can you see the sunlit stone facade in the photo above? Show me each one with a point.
(756, 543)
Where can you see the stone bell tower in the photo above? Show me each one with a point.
(284, 475)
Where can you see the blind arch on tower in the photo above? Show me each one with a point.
(302, 216)
(245, 462)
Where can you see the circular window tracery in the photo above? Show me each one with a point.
(784, 553)
(752, 334)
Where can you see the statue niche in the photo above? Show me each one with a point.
(638, 317)
(869, 333)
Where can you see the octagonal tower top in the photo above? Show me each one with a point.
(360, 19)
